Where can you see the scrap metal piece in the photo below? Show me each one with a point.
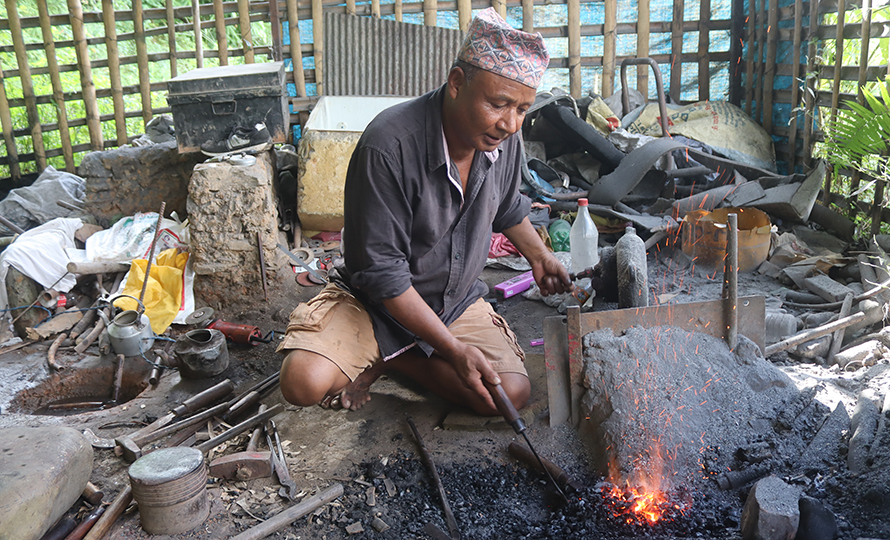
(199, 316)
(96, 441)
(279, 462)
(300, 262)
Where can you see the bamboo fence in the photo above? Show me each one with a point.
(771, 62)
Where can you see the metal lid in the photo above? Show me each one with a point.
(166, 465)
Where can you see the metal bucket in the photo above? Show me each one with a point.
(704, 237)
(202, 353)
(170, 486)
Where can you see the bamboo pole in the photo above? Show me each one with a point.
(795, 87)
(429, 13)
(350, 7)
(91, 106)
(610, 23)
(501, 7)
(246, 36)
(863, 69)
(836, 88)
(736, 46)
(677, 49)
(877, 207)
(704, 55)
(58, 93)
(375, 8)
(296, 54)
(749, 63)
(318, 44)
(642, 47)
(12, 154)
(171, 36)
(809, 112)
(769, 76)
(758, 67)
(222, 42)
(397, 9)
(21, 55)
(465, 14)
(275, 22)
(142, 61)
(199, 37)
(574, 31)
(114, 71)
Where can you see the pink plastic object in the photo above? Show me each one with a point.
(515, 285)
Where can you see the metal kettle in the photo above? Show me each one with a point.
(129, 331)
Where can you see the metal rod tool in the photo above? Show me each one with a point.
(299, 261)
(511, 415)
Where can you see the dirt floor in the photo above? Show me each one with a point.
(373, 453)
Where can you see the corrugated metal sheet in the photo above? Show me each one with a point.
(366, 56)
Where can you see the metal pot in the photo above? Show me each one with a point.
(201, 353)
(129, 331)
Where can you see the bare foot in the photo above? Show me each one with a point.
(358, 392)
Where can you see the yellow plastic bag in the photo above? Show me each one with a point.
(163, 295)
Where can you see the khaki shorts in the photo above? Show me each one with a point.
(335, 325)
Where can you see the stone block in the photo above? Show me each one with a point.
(827, 288)
(816, 521)
(45, 470)
(827, 441)
(127, 180)
(324, 158)
(771, 511)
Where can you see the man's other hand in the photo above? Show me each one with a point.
(551, 276)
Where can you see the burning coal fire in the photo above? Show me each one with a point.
(642, 506)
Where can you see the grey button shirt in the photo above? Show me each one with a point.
(407, 224)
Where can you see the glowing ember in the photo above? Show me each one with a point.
(640, 506)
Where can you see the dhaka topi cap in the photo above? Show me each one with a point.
(495, 46)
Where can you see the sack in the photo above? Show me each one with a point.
(130, 238)
(165, 292)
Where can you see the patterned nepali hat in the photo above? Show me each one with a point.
(495, 46)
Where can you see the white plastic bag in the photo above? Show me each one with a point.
(130, 238)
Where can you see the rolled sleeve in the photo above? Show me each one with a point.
(377, 221)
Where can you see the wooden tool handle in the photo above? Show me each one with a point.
(201, 400)
(505, 406)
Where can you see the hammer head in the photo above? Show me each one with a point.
(129, 449)
(242, 466)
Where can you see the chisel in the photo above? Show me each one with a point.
(511, 415)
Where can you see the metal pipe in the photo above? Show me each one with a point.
(731, 281)
(151, 252)
(11, 226)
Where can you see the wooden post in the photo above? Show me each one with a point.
(18, 44)
(642, 47)
(704, 54)
(501, 7)
(222, 42)
(610, 23)
(397, 9)
(863, 74)
(58, 93)
(296, 53)
(91, 106)
(142, 61)
(836, 93)
(465, 14)
(876, 207)
(795, 87)
(318, 44)
(275, 22)
(809, 112)
(114, 71)
(12, 154)
(574, 22)
(761, 38)
(199, 37)
(677, 50)
(749, 63)
(769, 75)
(350, 7)
(246, 36)
(429, 13)
(171, 36)
(736, 30)
(375, 8)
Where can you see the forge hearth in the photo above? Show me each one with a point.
(660, 401)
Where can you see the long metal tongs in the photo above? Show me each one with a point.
(279, 463)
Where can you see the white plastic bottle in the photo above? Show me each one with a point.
(583, 240)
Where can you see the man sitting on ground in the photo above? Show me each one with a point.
(428, 183)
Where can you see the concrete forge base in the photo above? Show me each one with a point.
(659, 400)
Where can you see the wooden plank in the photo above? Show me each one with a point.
(769, 75)
(55, 80)
(556, 356)
(246, 35)
(574, 29)
(809, 96)
(114, 71)
(27, 85)
(318, 44)
(610, 21)
(429, 13)
(642, 31)
(749, 63)
(575, 336)
(465, 14)
(735, 51)
(296, 56)
(528, 15)
(91, 106)
(704, 46)
(12, 153)
(677, 50)
(795, 87)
